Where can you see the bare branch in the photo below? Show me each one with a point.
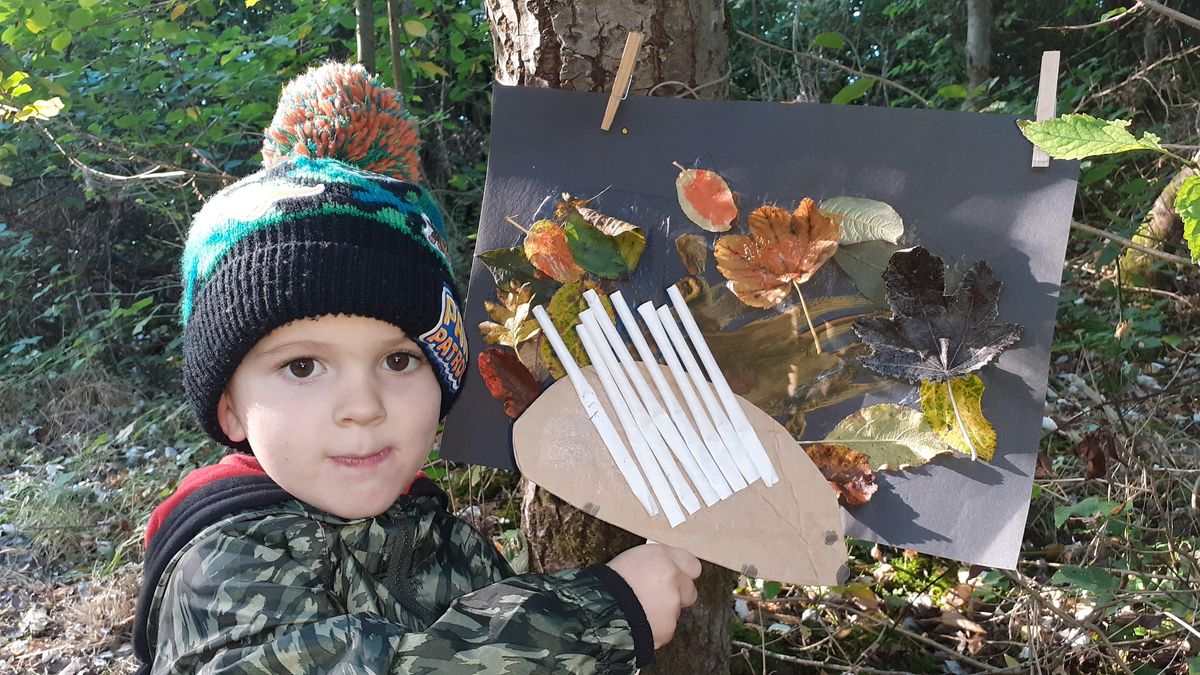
(1087, 26)
(1171, 13)
(1129, 243)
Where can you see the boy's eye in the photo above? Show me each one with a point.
(402, 362)
(301, 368)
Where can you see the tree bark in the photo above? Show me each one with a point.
(979, 42)
(364, 33)
(566, 44)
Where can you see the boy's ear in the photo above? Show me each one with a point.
(228, 419)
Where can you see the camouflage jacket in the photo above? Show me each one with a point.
(286, 588)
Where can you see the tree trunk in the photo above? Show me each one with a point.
(364, 32)
(572, 45)
(979, 43)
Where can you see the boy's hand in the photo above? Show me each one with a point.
(662, 577)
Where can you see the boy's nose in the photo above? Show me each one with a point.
(360, 403)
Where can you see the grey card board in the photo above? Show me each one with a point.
(963, 184)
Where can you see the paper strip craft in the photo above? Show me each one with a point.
(595, 412)
(691, 441)
(745, 432)
(661, 421)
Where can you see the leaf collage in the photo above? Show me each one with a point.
(557, 261)
(909, 328)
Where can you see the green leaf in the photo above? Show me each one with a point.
(80, 18)
(1083, 509)
(415, 28)
(1187, 204)
(509, 265)
(1194, 666)
(40, 19)
(61, 41)
(1079, 136)
(953, 91)
(853, 91)
(1112, 13)
(5, 181)
(939, 413)
(863, 220)
(88, 4)
(771, 589)
(865, 264)
(891, 436)
(829, 41)
(1090, 579)
(593, 250)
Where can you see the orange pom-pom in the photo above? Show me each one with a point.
(339, 110)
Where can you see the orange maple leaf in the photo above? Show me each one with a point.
(782, 251)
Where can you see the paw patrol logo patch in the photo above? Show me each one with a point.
(447, 343)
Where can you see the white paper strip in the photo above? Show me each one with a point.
(595, 412)
(712, 439)
(738, 417)
(725, 430)
(664, 427)
(609, 372)
(686, 437)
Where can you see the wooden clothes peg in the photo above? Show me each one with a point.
(1046, 101)
(623, 80)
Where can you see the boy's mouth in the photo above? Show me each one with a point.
(363, 461)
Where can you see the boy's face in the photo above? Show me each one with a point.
(340, 411)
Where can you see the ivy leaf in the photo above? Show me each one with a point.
(1187, 204)
(863, 219)
(848, 472)
(512, 319)
(933, 336)
(706, 199)
(938, 408)
(508, 381)
(829, 40)
(546, 249)
(891, 436)
(783, 250)
(1079, 136)
(865, 263)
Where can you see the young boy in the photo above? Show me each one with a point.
(323, 341)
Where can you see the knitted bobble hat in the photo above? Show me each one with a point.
(335, 224)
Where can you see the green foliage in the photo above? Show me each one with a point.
(1081, 136)
(1187, 204)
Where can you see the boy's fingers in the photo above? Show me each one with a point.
(686, 562)
(688, 594)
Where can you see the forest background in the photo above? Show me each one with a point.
(118, 118)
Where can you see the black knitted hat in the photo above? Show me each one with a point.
(312, 236)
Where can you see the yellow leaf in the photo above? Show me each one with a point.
(939, 413)
(415, 28)
(178, 10)
(193, 113)
(43, 110)
(5, 181)
(891, 436)
(432, 69)
(251, 3)
(304, 31)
